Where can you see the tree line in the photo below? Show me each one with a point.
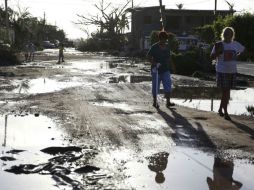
(243, 25)
(28, 28)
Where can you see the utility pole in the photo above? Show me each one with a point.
(215, 8)
(131, 3)
(6, 15)
(162, 15)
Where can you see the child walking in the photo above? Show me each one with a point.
(225, 52)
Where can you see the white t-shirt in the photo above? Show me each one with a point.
(226, 62)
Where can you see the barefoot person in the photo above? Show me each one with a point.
(225, 53)
(160, 58)
(61, 53)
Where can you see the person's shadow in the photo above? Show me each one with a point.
(223, 176)
(157, 163)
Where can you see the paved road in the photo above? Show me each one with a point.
(245, 68)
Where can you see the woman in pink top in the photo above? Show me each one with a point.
(225, 53)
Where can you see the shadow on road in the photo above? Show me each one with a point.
(184, 132)
(244, 128)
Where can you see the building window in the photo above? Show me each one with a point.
(147, 20)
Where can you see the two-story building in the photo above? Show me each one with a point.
(178, 21)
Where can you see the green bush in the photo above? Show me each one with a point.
(8, 57)
(243, 25)
(186, 63)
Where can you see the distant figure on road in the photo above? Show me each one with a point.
(31, 52)
(225, 52)
(223, 176)
(160, 58)
(61, 54)
(26, 52)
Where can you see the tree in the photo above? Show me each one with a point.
(243, 25)
(31, 29)
(206, 33)
(110, 20)
(179, 6)
(111, 23)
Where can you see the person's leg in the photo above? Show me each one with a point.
(26, 57)
(226, 93)
(62, 58)
(166, 81)
(230, 82)
(220, 109)
(155, 88)
(220, 84)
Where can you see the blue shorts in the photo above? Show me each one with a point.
(166, 82)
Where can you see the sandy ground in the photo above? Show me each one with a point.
(117, 119)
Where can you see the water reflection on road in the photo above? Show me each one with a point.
(190, 169)
(21, 139)
(208, 99)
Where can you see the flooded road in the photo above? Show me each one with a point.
(88, 124)
(22, 137)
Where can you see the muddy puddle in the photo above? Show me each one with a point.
(127, 78)
(21, 139)
(39, 85)
(54, 52)
(208, 99)
(28, 131)
(35, 154)
(186, 168)
(91, 66)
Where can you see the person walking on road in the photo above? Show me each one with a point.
(26, 51)
(160, 59)
(31, 52)
(225, 52)
(61, 54)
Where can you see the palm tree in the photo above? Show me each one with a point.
(179, 6)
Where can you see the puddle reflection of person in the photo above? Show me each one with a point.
(223, 176)
(157, 163)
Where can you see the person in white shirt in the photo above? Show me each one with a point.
(225, 52)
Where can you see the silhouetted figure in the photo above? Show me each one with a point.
(157, 163)
(159, 56)
(26, 52)
(223, 176)
(31, 52)
(61, 54)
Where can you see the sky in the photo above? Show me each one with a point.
(63, 13)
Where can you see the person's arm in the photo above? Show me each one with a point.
(240, 48)
(217, 50)
(150, 57)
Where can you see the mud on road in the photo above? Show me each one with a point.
(106, 133)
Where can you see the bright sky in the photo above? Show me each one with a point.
(63, 12)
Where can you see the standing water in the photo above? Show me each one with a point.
(21, 139)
